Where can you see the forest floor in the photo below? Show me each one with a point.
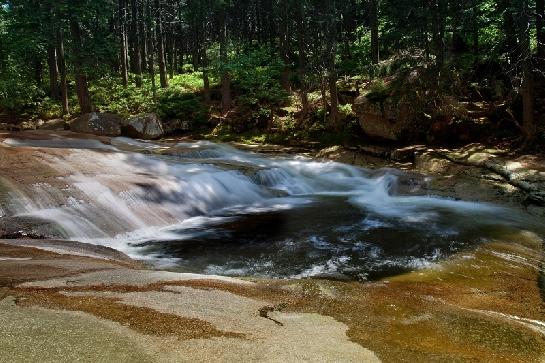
(66, 301)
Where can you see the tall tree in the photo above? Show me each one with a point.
(373, 23)
(226, 101)
(82, 87)
(123, 42)
(160, 39)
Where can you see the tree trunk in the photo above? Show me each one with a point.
(161, 46)
(123, 42)
(171, 45)
(137, 60)
(439, 32)
(301, 67)
(284, 50)
(527, 91)
(331, 44)
(510, 33)
(82, 88)
(53, 70)
(475, 35)
(205, 76)
(323, 90)
(62, 70)
(151, 42)
(38, 71)
(334, 99)
(373, 22)
(540, 32)
(225, 77)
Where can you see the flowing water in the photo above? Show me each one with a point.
(210, 208)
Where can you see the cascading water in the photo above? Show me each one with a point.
(210, 208)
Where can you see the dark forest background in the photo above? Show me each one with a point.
(273, 70)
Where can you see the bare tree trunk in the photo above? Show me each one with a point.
(527, 91)
(143, 36)
(225, 77)
(81, 78)
(151, 42)
(161, 46)
(323, 91)
(301, 68)
(373, 21)
(123, 40)
(475, 35)
(439, 32)
(137, 60)
(171, 46)
(38, 71)
(205, 76)
(285, 51)
(540, 32)
(53, 70)
(62, 70)
(331, 44)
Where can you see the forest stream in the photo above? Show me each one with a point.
(407, 273)
(209, 208)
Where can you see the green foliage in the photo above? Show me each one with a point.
(109, 95)
(176, 104)
(257, 74)
(378, 91)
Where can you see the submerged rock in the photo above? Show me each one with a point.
(29, 227)
(96, 123)
(147, 126)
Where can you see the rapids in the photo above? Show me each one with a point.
(210, 208)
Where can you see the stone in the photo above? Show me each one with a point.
(177, 125)
(387, 119)
(147, 126)
(97, 123)
(29, 227)
(407, 153)
(9, 127)
(54, 125)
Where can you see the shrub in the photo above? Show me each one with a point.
(175, 104)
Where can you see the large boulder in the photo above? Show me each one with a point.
(96, 123)
(147, 127)
(384, 119)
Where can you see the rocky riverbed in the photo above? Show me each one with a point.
(64, 300)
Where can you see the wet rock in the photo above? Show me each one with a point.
(54, 125)
(29, 227)
(96, 123)
(147, 127)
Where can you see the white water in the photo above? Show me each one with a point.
(122, 195)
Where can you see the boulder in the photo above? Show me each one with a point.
(384, 119)
(29, 227)
(54, 125)
(96, 123)
(147, 127)
(407, 154)
(176, 125)
(10, 127)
